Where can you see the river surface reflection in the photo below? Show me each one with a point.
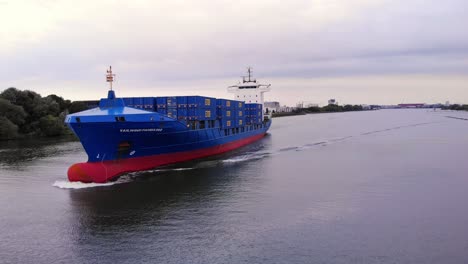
(384, 186)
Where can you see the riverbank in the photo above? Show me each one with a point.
(317, 110)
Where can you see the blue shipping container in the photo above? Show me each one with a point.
(253, 106)
(225, 113)
(253, 120)
(138, 102)
(162, 111)
(128, 101)
(224, 103)
(148, 100)
(172, 112)
(172, 101)
(201, 114)
(161, 102)
(240, 122)
(148, 103)
(182, 112)
(201, 101)
(227, 123)
(181, 101)
(240, 104)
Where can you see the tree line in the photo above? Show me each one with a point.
(456, 107)
(27, 113)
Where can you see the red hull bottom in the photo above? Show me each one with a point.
(101, 172)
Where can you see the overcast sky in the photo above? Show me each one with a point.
(357, 51)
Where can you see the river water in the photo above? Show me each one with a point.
(387, 186)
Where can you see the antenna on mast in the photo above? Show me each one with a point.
(110, 77)
(249, 72)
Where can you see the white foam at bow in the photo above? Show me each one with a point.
(81, 185)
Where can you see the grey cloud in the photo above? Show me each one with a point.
(206, 42)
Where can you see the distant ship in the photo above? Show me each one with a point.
(140, 133)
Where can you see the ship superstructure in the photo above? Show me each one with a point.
(249, 90)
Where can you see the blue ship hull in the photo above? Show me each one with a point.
(120, 139)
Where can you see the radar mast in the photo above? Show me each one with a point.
(110, 77)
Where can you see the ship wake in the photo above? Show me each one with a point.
(82, 185)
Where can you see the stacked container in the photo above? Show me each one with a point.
(172, 107)
(128, 101)
(254, 114)
(182, 113)
(161, 105)
(226, 112)
(240, 113)
(148, 103)
(231, 113)
(201, 108)
(138, 102)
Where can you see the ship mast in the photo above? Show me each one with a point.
(249, 72)
(110, 77)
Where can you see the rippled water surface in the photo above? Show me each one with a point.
(388, 186)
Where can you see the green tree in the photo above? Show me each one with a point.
(8, 130)
(63, 104)
(332, 108)
(45, 106)
(14, 113)
(10, 94)
(313, 109)
(77, 107)
(51, 125)
(348, 108)
(357, 107)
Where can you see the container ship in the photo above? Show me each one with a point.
(124, 135)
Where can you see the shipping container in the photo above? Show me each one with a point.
(253, 106)
(162, 111)
(171, 101)
(225, 113)
(182, 102)
(227, 123)
(138, 102)
(128, 101)
(172, 112)
(148, 101)
(224, 103)
(182, 112)
(195, 113)
(161, 102)
(250, 120)
(201, 101)
(240, 122)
